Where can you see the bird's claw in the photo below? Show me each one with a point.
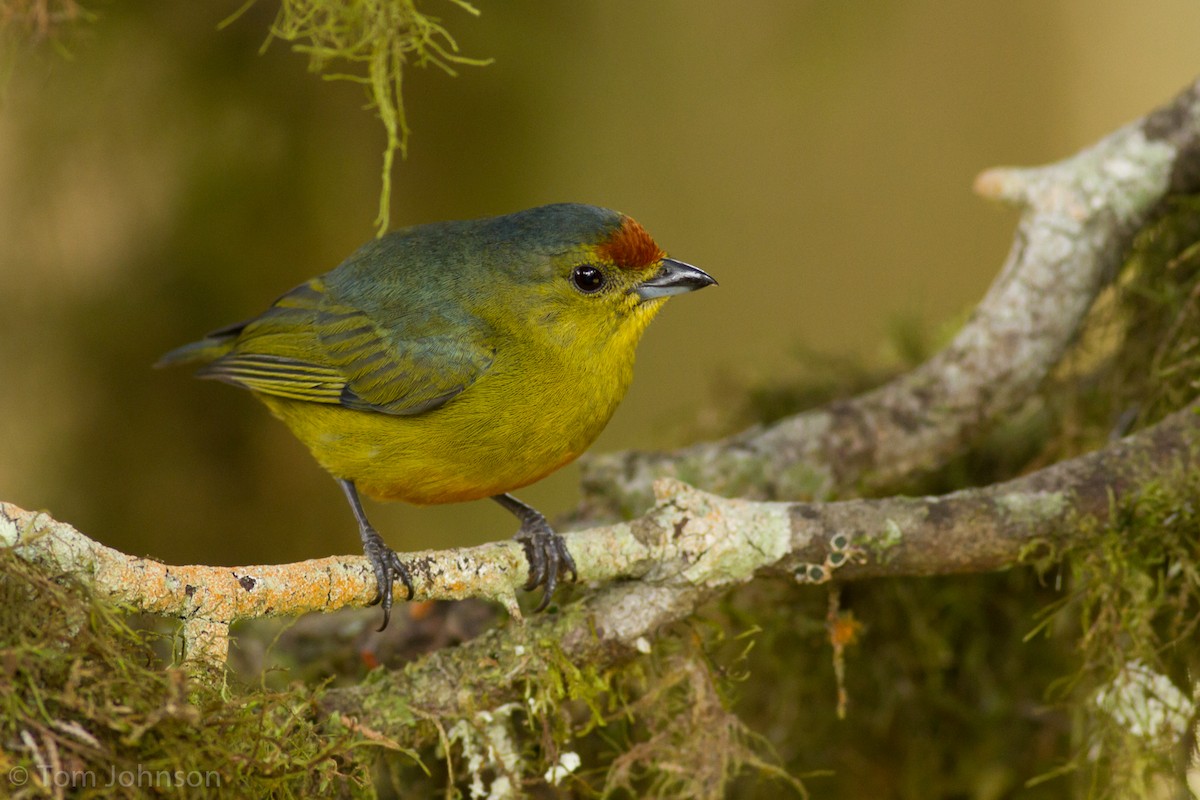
(548, 557)
(388, 568)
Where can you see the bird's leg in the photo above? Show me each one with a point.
(545, 550)
(383, 559)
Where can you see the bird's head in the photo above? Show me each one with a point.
(598, 272)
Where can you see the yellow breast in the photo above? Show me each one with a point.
(537, 409)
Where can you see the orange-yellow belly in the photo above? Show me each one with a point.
(502, 433)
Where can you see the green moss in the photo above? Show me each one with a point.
(660, 726)
(84, 700)
(1135, 604)
(879, 543)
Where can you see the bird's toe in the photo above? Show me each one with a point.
(388, 569)
(549, 560)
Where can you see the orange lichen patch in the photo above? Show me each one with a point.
(630, 247)
(844, 630)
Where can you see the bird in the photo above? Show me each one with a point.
(456, 361)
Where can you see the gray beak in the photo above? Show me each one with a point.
(674, 277)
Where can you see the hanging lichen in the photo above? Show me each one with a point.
(370, 42)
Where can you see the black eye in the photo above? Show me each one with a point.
(587, 279)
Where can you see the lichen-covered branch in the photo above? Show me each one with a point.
(1079, 217)
(993, 527)
(719, 540)
(974, 530)
(714, 542)
(688, 547)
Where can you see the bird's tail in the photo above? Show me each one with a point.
(208, 349)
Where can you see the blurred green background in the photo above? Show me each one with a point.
(167, 179)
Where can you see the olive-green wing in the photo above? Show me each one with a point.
(310, 347)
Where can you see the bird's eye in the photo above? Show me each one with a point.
(587, 279)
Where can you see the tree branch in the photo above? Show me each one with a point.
(693, 544)
(697, 545)
(690, 546)
(1080, 216)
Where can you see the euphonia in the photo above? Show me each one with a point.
(457, 360)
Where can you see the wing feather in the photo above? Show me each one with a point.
(310, 347)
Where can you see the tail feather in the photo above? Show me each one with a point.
(210, 348)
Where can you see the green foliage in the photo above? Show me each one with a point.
(372, 40)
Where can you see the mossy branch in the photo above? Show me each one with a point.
(690, 546)
(974, 530)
